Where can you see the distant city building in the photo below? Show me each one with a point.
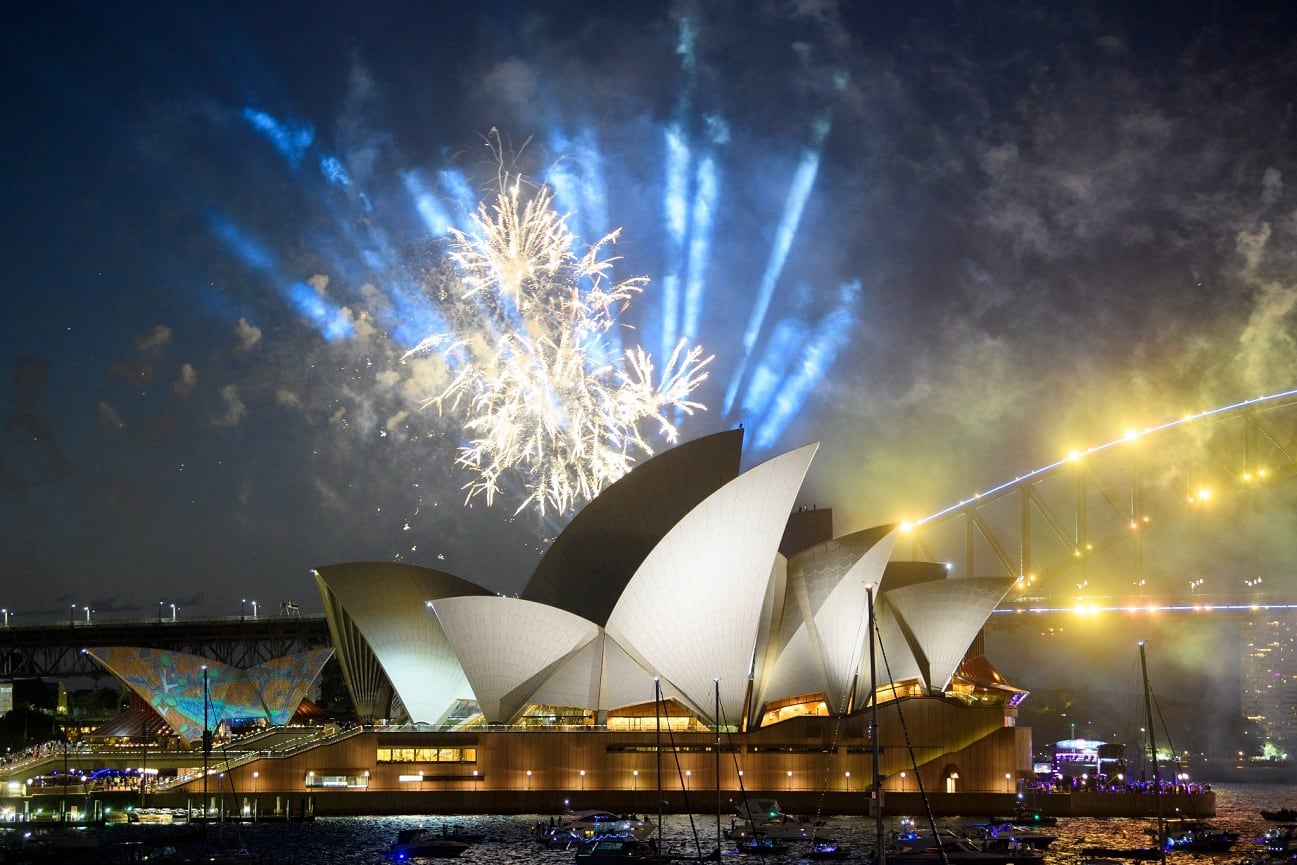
(1268, 678)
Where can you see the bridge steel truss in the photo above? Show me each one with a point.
(54, 651)
(1147, 508)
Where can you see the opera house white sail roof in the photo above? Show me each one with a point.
(674, 572)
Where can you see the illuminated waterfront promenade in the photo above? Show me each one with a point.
(809, 765)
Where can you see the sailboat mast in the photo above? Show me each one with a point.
(880, 850)
(718, 765)
(1152, 744)
(657, 710)
(207, 743)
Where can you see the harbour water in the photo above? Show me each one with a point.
(339, 840)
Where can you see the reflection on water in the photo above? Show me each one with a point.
(364, 839)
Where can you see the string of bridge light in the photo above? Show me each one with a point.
(1130, 435)
(1097, 609)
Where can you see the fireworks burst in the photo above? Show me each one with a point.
(547, 396)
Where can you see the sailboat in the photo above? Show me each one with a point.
(1183, 833)
(1157, 851)
(636, 849)
(939, 847)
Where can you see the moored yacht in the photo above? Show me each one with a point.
(762, 818)
(914, 848)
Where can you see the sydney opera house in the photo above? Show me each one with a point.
(692, 612)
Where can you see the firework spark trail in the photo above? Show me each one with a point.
(544, 394)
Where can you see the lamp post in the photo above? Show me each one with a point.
(634, 779)
(529, 780)
(790, 779)
(87, 609)
(160, 605)
(254, 611)
(582, 774)
(173, 613)
(243, 605)
(848, 774)
(6, 615)
(72, 615)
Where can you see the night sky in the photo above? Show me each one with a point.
(948, 241)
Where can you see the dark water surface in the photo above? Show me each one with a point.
(364, 839)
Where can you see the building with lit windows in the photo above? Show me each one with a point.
(1268, 679)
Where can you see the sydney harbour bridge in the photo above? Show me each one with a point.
(1196, 514)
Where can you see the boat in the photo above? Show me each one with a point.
(761, 845)
(912, 848)
(1197, 836)
(791, 831)
(823, 848)
(424, 843)
(577, 827)
(938, 847)
(458, 833)
(1283, 815)
(1025, 816)
(614, 851)
(1281, 840)
(1003, 834)
(1157, 850)
(763, 817)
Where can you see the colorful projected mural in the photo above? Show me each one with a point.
(189, 691)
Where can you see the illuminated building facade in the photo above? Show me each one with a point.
(687, 573)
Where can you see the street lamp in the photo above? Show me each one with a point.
(848, 774)
(173, 612)
(243, 604)
(790, 779)
(87, 609)
(72, 615)
(6, 614)
(634, 779)
(582, 774)
(160, 605)
(902, 781)
(254, 610)
(528, 779)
